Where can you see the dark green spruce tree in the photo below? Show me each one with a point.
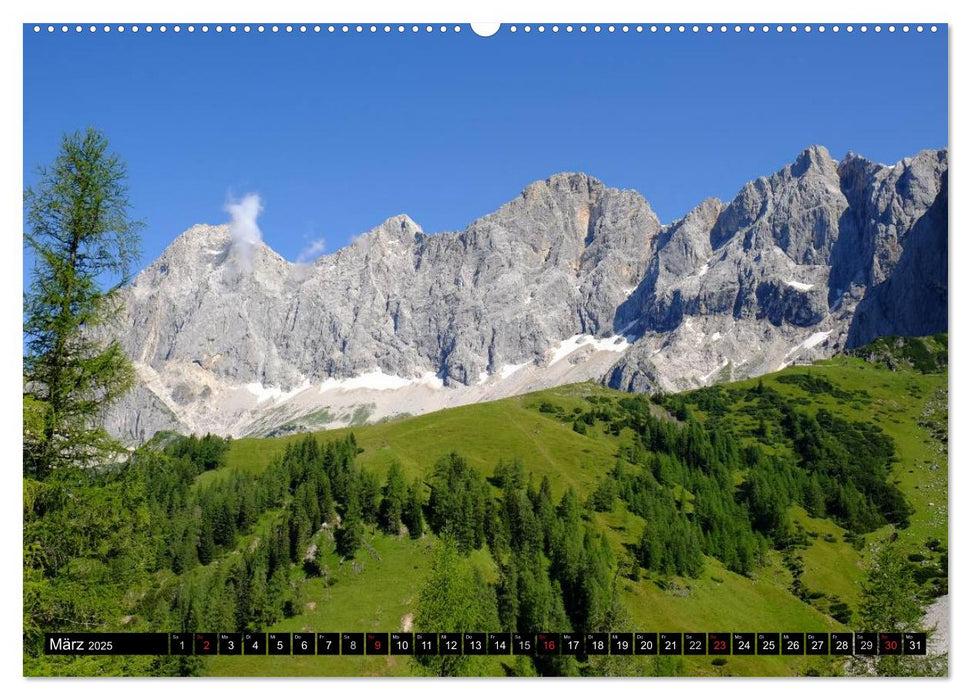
(350, 535)
(393, 501)
(412, 516)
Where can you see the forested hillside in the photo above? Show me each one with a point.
(764, 504)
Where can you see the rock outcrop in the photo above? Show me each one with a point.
(571, 280)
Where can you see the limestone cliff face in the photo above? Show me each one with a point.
(571, 280)
(819, 256)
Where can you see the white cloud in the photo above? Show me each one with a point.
(243, 230)
(312, 250)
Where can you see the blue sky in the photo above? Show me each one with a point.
(338, 132)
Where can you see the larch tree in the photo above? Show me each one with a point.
(83, 242)
(454, 598)
(892, 601)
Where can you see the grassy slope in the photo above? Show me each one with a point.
(482, 433)
(380, 591)
(895, 401)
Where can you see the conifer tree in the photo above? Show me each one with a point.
(892, 603)
(891, 598)
(350, 535)
(369, 496)
(412, 516)
(259, 602)
(80, 236)
(394, 500)
(454, 598)
(206, 546)
(507, 595)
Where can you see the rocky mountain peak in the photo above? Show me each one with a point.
(570, 280)
(568, 183)
(815, 157)
(573, 195)
(197, 239)
(398, 229)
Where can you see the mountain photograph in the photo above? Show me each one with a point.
(465, 355)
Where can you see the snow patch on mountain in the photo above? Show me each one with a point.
(377, 380)
(273, 393)
(565, 348)
(507, 371)
(810, 342)
(801, 286)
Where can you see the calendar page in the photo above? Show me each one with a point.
(523, 349)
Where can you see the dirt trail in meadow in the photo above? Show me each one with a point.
(938, 615)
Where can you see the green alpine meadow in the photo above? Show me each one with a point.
(813, 499)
